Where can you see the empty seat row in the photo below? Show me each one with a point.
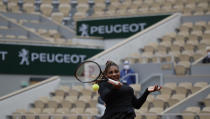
(75, 113)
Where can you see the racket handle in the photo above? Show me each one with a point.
(113, 82)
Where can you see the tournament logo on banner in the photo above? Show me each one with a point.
(112, 28)
(42, 60)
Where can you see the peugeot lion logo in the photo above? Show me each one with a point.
(24, 54)
(84, 29)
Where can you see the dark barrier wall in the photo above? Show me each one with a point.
(42, 60)
(112, 28)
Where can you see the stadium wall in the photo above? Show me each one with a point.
(22, 98)
(11, 83)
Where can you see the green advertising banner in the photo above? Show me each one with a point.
(42, 60)
(112, 28)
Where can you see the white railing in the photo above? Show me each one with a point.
(131, 74)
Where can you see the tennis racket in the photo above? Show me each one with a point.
(90, 71)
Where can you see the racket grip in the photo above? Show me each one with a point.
(113, 82)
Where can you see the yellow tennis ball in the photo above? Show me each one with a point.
(95, 87)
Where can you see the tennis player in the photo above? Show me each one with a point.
(120, 100)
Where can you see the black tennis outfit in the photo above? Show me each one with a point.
(120, 103)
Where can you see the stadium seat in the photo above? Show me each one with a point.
(156, 110)
(54, 102)
(67, 103)
(175, 50)
(102, 6)
(202, 4)
(2, 6)
(46, 9)
(162, 50)
(71, 98)
(60, 113)
(18, 114)
(166, 91)
(171, 85)
(200, 84)
(46, 113)
(28, 7)
(110, 13)
(184, 59)
(187, 85)
(13, 7)
(82, 1)
(172, 101)
(139, 117)
(10, 36)
(41, 102)
(46, 1)
(77, 88)
(148, 1)
(207, 29)
(79, 15)
(158, 103)
(197, 32)
(133, 10)
(77, 110)
(180, 69)
(187, 24)
(188, 116)
(195, 89)
(189, 112)
(155, 8)
(205, 110)
(57, 17)
(136, 88)
(92, 103)
(144, 9)
(181, 90)
(146, 105)
(22, 37)
(165, 43)
(65, 2)
(92, 110)
(193, 40)
(65, 9)
(153, 113)
(81, 104)
(206, 102)
(166, 7)
(121, 11)
(85, 98)
(31, 113)
(178, 96)
(189, 50)
(178, 7)
(179, 40)
(150, 98)
(199, 12)
(187, 12)
(62, 90)
(88, 117)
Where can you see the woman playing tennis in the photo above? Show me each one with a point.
(120, 99)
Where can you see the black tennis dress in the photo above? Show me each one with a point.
(120, 103)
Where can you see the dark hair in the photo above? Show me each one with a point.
(109, 63)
